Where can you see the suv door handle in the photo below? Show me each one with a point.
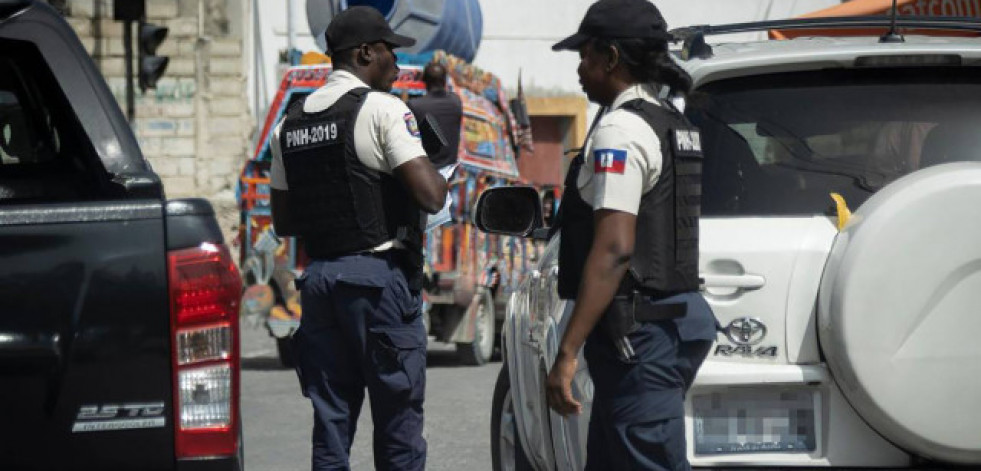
(745, 282)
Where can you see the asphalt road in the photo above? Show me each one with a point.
(277, 419)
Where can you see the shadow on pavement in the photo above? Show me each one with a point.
(263, 364)
(448, 359)
(434, 359)
(442, 359)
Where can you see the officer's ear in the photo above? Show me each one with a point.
(366, 54)
(613, 58)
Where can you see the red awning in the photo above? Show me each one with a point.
(883, 7)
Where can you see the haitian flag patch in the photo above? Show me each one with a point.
(609, 160)
(410, 124)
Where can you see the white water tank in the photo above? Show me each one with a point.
(454, 26)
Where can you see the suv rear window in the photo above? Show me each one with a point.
(779, 144)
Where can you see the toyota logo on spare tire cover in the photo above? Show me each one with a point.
(746, 331)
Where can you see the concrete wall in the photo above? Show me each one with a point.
(195, 128)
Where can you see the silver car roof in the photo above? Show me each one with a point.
(730, 60)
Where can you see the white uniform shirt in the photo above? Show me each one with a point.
(623, 156)
(386, 134)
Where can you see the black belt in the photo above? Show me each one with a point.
(642, 309)
(626, 311)
(403, 259)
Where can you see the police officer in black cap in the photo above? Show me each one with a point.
(350, 177)
(629, 249)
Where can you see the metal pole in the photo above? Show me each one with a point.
(130, 93)
(261, 94)
(290, 32)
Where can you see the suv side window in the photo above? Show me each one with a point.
(44, 154)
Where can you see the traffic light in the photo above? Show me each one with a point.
(128, 10)
(151, 66)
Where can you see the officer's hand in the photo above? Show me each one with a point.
(558, 386)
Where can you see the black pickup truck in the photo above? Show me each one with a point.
(118, 309)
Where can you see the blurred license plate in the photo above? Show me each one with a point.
(754, 421)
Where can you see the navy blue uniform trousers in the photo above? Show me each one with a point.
(362, 329)
(637, 418)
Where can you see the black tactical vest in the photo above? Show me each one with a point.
(665, 259)
(339, 205)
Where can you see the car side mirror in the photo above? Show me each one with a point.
(510, 210)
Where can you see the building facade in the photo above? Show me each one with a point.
(195, 128)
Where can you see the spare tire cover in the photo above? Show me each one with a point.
(900, 312)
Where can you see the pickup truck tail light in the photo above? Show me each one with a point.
(205, 290)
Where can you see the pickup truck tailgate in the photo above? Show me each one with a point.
(85, 363)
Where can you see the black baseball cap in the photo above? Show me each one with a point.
(618, 19)
(361, 25)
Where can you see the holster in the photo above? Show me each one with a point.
(411, 263)
(627, 312)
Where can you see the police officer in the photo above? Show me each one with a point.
(349, 177)
(445, 107)
(629, 249)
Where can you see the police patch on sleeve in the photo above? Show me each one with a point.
(410, 124)
(609, 161)
(687, 142)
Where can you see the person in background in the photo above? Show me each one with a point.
(350, 178)
(629, 249)
(445, 107)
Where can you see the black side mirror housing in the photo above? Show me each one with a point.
(509, 210)
(432, 136)
(520, 112)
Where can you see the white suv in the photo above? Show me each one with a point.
(849, 340)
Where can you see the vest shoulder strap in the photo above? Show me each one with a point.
(355, 96)
(683, 137)
(359, 93)
(655, 113)
(295, 110)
